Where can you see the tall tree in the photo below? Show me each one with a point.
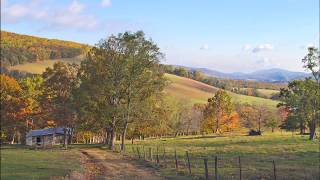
(302, 98)
(312, 63)
(59, 82)
(118, 74)
(143, 74)
(13, 109)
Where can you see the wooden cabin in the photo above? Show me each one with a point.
(45, 137)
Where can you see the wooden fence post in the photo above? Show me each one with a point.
(157, 154)
(274, 170)
(205, 160)
(216, 168)
(188, 160)
(240, 168)
(176, 159)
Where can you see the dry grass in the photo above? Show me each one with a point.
(198, 92)
(40, 66)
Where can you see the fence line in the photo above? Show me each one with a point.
(199, 165)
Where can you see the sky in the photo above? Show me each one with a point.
(224, 35)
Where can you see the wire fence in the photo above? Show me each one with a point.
(217, 166)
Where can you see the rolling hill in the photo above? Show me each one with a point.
(198, 92)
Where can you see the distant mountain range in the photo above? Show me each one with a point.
(274, 75)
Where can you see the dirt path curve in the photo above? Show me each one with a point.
(114, 166)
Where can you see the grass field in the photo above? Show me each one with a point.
(19, 162)
(266, 92)
(295, 156)
(198, 92)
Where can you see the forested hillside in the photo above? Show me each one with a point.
(19, 49)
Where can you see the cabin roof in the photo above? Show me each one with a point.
(47, 131)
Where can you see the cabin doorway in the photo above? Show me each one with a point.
(38, 140)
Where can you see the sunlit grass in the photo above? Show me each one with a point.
(19, 162)
(296, 157)
(40, 66)
(197, 92)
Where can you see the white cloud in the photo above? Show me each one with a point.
(76, 7)
(247, 47)
(70, 17)
(106, 3)
(19, 11)
(263, 47)
(204, 47)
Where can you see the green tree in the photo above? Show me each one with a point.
(118, 75)
(272, 121)
(302, 98)
(143, 74)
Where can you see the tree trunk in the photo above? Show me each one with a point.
(65, 142)
(302, 128)
(71, 135)
(107, 139)
(313, 125)
(259, 125)
(13, 137)
(126, 121)
(113, 137)
(124, 132)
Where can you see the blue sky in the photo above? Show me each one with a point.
(225, 35)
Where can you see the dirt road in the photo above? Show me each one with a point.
(114, 166)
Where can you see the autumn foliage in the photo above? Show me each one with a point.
(218, 114)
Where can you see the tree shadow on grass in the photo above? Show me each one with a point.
(203, 137)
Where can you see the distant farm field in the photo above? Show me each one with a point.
(266, 92)
(198, 92)
(295, 156)
(40, 66)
